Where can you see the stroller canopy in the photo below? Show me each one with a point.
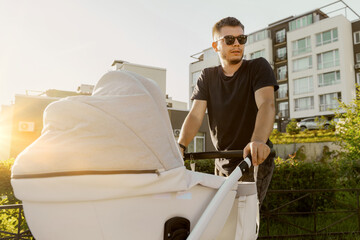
(123, 126)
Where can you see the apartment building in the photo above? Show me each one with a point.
(356, 41)
(311, 55)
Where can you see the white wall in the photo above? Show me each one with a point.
(154, 73)
(265, 45)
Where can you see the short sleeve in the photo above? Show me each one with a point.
(201, 90)
(263, 75)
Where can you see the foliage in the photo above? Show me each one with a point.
(305, 136)
(293, 174)
(292, 127)
(203, 165)
(5, 185)
(9, 220)
(349, 127)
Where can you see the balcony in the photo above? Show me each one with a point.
(283, 113)
(281, 58)
(282, 95)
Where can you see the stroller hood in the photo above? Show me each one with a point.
(123, 126)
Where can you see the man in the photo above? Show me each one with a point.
(239, 96)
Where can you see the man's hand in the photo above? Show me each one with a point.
(259, 151)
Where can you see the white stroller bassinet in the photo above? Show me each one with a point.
(107, 167)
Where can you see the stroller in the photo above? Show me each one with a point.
(107, 166)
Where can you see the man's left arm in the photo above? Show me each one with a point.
(265, 102)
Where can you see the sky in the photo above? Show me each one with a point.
(47, 44)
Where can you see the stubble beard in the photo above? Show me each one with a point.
(233, 61)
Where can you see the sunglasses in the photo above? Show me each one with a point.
(229, 39)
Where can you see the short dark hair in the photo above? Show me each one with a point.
(228, 21)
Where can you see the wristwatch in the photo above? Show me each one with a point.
(182, 146)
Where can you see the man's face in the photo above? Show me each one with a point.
(233, 53)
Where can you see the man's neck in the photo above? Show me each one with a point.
(230, 69)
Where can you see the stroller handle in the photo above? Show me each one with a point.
(219, 154)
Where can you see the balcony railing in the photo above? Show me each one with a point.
(284, 113)
(281, 58)
(280, 39)
(282, 94)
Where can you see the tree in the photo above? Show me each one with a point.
(349, 126)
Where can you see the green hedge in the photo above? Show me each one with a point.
(295, 174)
(303, 137)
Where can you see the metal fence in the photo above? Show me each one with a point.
(270, 218)
(321, 222)
(15, 213)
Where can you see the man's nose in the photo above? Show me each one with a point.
(236, 42)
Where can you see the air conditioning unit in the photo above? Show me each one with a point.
(26, 126)
(357, 66)
(176, 132)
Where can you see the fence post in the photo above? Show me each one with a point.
(19, 223)
(358, 207)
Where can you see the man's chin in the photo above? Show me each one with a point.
(235, 61)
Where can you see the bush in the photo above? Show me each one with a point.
(349, 128)
(292, 127)
(6, 190)
(292, 174)
(203, 165)
(305, 136)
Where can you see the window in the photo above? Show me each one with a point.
(301, 46)
(357, 37)
(302, 64)
(304, 103)
(198, 143)
(280, 36)
(195, 77)
(283, 109)
(328, 59)
(281, 53)
(282, 72)
(303, 85)
(327, 37)
(257, 54)
(301, 22)
(329, 78)
(329, 101)
(358, 78)
(357, 56)
(258, 36)
(283, 91)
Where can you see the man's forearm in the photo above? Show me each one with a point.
(192, 122)
(264, 122)
(189, 129)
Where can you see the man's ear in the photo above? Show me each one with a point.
(214, 46)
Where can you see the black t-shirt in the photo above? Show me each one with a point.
(231, 102)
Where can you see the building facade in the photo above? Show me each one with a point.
(356, 41)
